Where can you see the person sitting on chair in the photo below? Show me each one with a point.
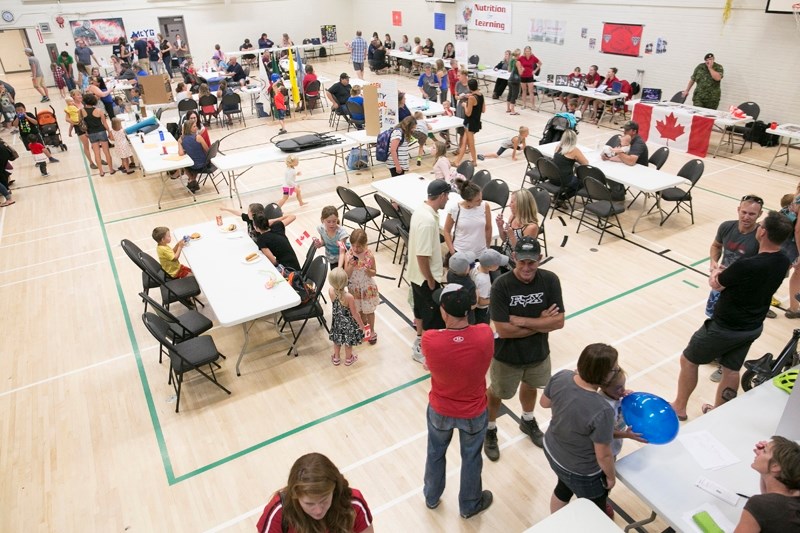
(235, 71)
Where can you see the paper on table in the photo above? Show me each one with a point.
(150, 146)
(707, 450)
(715, 513)
(173, 157)
(170, 143)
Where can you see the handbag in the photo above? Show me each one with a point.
(513, 76)
(448, 255)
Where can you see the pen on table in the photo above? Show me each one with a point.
(743, 495)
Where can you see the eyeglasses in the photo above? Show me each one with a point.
(753, 198)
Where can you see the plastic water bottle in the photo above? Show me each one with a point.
(161, 135)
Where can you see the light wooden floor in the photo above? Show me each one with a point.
(90, 440)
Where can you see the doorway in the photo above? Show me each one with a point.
(12, 54)
(170, 27)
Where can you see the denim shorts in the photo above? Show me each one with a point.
(582, 486)
(98, 137)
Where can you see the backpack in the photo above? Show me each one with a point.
(304, 288)
(757, 132)
(357, 160)
(382, 144)
(13, 154)
(323, 52)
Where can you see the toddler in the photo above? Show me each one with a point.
(346, 324)
(168, 257)
(515, 143)
(447, 111)
(290, 185)
(489, 261)
(41, 155)
(459, 271)
(279, 101)
(421, 132)
(59, 75)
(624, 147)
(71, 110)
(330, 235)
(119, 106)
(122, 146)
(359, 264)
(613, 391)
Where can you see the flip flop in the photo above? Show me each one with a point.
(335, 360)
(8, 203)
(350, 360)
(374, 338)
(706, 408)
(514, 113)
(682, 418)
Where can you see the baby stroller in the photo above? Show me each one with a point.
(556, 126)
(48, 128)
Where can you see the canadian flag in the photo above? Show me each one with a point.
(674, 128)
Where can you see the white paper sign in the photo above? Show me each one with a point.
(488, 16)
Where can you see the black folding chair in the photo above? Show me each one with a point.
(481, 178)
(355, 210)
(209, 171)
(183, 290)
(133, 252)
(232, 107)
(692, 171)
(390, 225)
(542, 199)
(317, 273)
(601, 206)
(532, 155)
(190, 324)
(496, 191)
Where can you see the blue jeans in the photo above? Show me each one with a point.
(471, 432)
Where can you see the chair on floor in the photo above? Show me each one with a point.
(186, 105)
(158, 113)
(317, 273)
(551, 181)
(403, 255)
(190, 324)
(532, 155)
(582, 172)
(209, 108)
(750, 109)
(390, 225)
(185, 356)
(183, 290)
(466, 169)
(312, 97)
(542, 199)
(481, 178)
(133, 252)
(692, 171)
(602, 207)
(310, 254)
(232, 107)
(354, 108)
(336, 114)
(678, 98)
(405, 217)
(355, 210)
(210, 171)
(496, 191)
(658, 159)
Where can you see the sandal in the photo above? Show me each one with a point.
(113, 172)
(513, 113)
(792, 314)
(12, 202)
(374, 338)
(350, 360)
(706, 408)
(335, 360)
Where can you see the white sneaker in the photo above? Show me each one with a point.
(416, 352)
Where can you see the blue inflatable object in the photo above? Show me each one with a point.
(142, 124)
(275, 77)
(650, 415)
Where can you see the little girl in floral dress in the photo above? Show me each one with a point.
(359, 264)
(346, 326)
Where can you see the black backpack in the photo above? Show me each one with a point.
(757, 132)
(323, 52)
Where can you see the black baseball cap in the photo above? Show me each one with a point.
(454, 299)
(630, 125)
(437, 188)
(344, 76)
(528, 249)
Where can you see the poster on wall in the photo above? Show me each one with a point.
(462, 48)
(387, 103)
(397, 18)
(621, 39)
(328, 33)
(547, 31)
(438, 21)
(97, 32)
(487, 16)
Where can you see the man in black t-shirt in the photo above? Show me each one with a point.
(273, 242)
(746, 289)
(140, 46)
(339, 93)
(236, 71)
(526, 305)
(637, 151)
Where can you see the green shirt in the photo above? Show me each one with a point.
(706, 85)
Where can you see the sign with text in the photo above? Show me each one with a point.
(621, 39)
(488, 16)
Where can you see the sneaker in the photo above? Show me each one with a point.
(490, 447)
(54, 160)
(416, 352)
(792, 314)
(419, 161)
(486, 501)
(93, 166)
(481, 157)
(281, 131)
(45, 98)
(771, 314)
(775, 302)
(531, 428)
(716, 377)
(45, 174)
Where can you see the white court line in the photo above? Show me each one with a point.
(48, 237)
(61, 225)
(26, 280)
(391, 327)
(32, 265)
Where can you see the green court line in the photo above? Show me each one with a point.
(298, 429)
(689, 283)
(162, 445)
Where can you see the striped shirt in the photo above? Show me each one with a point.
(402, 149)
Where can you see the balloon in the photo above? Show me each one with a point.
(650, 415)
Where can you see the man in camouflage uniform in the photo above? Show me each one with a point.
(707, 76)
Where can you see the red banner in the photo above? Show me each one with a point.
(621, 39)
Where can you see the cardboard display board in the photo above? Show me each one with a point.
(156, 89)
(372, 121)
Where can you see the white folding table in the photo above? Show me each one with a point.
(234, 288)
(429, 108)
(664, 476)
(788, 137)
(579, 515)
(588, 93)
(648, 180)
(410, 190)
(237, 163)
(152, 158)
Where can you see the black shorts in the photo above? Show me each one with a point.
(425, 309)
(526, 79)
(712, 341)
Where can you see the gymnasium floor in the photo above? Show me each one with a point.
(90, 439)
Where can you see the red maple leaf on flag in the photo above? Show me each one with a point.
(669, 128)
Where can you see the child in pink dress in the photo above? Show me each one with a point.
(359, 263)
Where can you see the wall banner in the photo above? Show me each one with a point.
(488, 16)
(621, 39)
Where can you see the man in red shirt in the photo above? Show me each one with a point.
(458, 358)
